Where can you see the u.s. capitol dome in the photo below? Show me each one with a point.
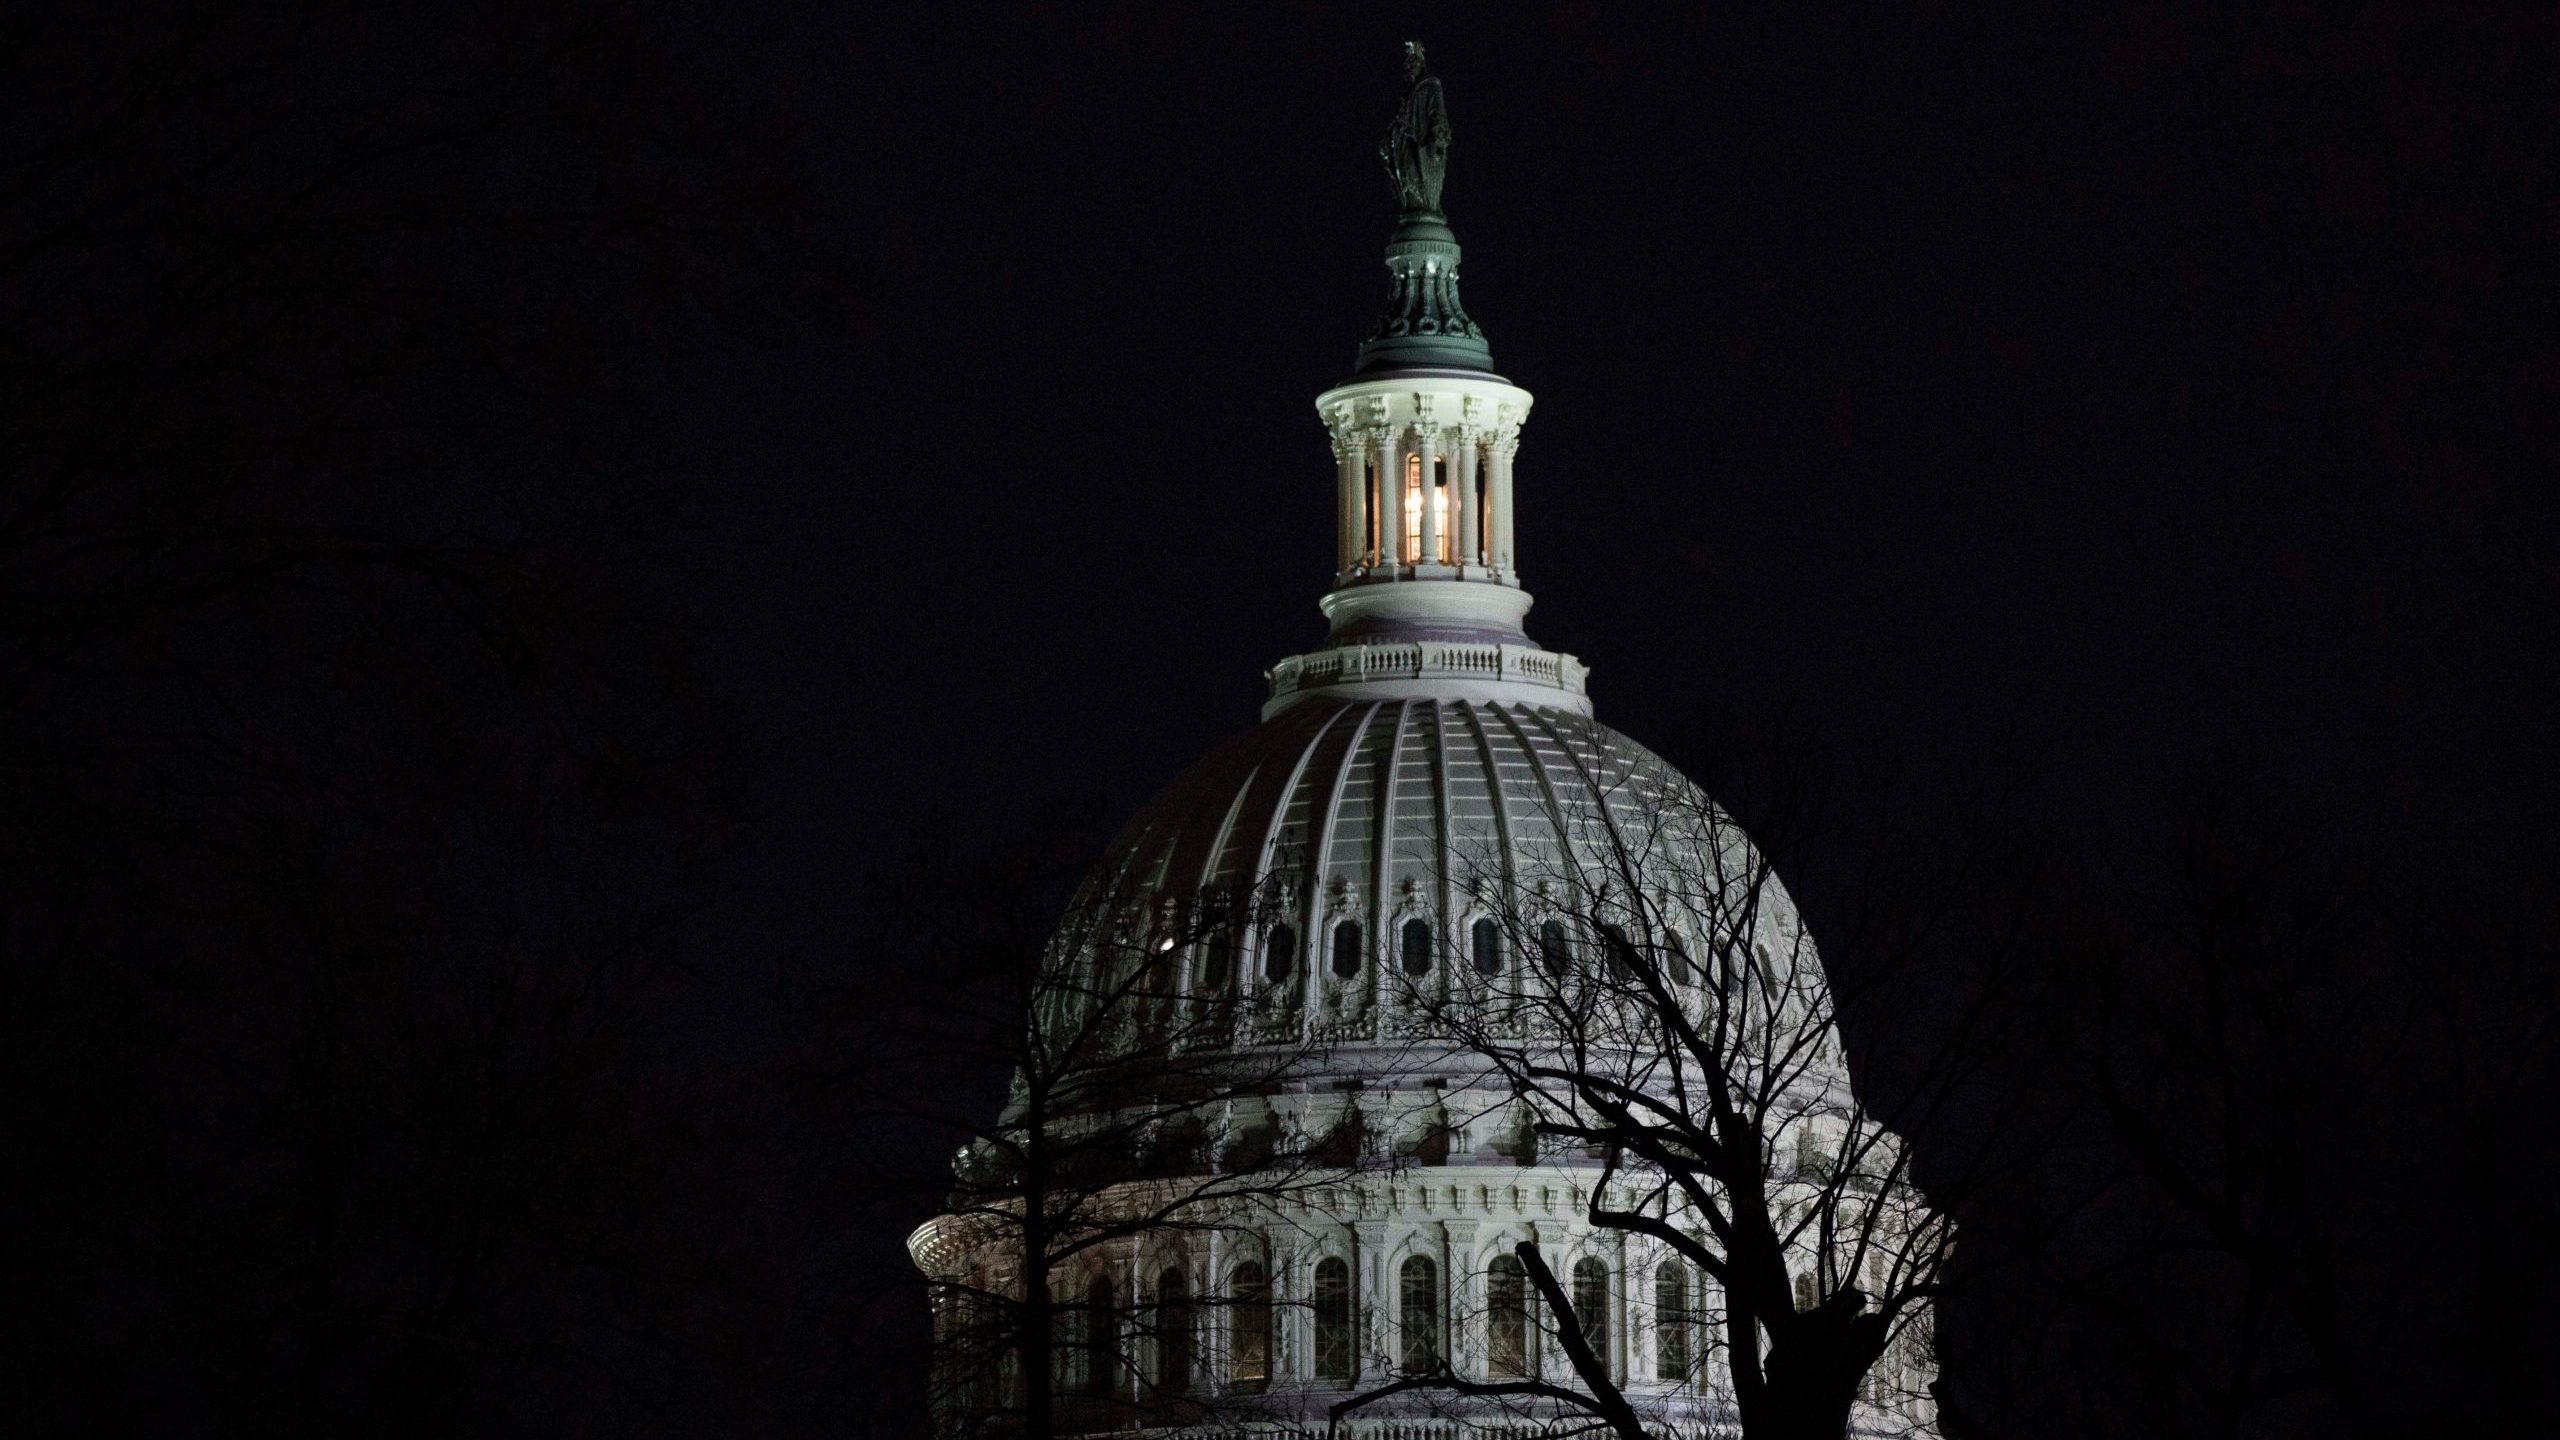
(1427, 823)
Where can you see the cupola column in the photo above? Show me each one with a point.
(1470, 535)
(1506, 444)
(1351, 520)
(1426, 443)
(1386, 440)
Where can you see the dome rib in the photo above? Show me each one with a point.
(1389, 844)
(1218, 846)
(1320, 836)
(1378, 810)
(1497, 801)
(1444, 831)
(1271, 830)
(1557, 820)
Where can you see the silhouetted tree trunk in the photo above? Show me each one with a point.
(1669, 1017)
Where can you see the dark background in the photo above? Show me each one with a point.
(2139, 387)
(2113, 393)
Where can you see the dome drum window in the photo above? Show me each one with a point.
(1416, 936)
(1624, 963)
(1279, 953)
(1346, 949)
(1555, 948)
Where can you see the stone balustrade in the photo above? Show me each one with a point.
(1427, 660)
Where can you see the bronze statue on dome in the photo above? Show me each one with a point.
(1417, 145)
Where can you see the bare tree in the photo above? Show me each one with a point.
(1649, 999)
(1083, 1271)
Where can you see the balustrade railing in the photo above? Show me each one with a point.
(1425, 660)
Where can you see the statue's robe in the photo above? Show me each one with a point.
(1417, 148)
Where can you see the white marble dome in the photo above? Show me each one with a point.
(1393, 846)
(1427, 817)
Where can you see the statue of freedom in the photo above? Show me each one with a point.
(1417, 145)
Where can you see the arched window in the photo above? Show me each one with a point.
(1418, 1314)
(1555, 948)
(1102, 1337)
(1808, 1295)
(1591, 1304)
(1279, 953)
(1506, 1321)
(1173, 1334)
(1249, 1327)
(1214, 959)
(1671, 1322)
(1333, 1319)
(1417, 946)
(1684, 970)
(1068, 1357)
(1346, 949)
(1488, 947)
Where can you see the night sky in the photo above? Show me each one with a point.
(2133, 393)
(2101, 396)
(2106, 396)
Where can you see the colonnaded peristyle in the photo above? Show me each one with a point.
(1409, 832)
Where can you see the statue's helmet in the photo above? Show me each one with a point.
(1414, 64)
